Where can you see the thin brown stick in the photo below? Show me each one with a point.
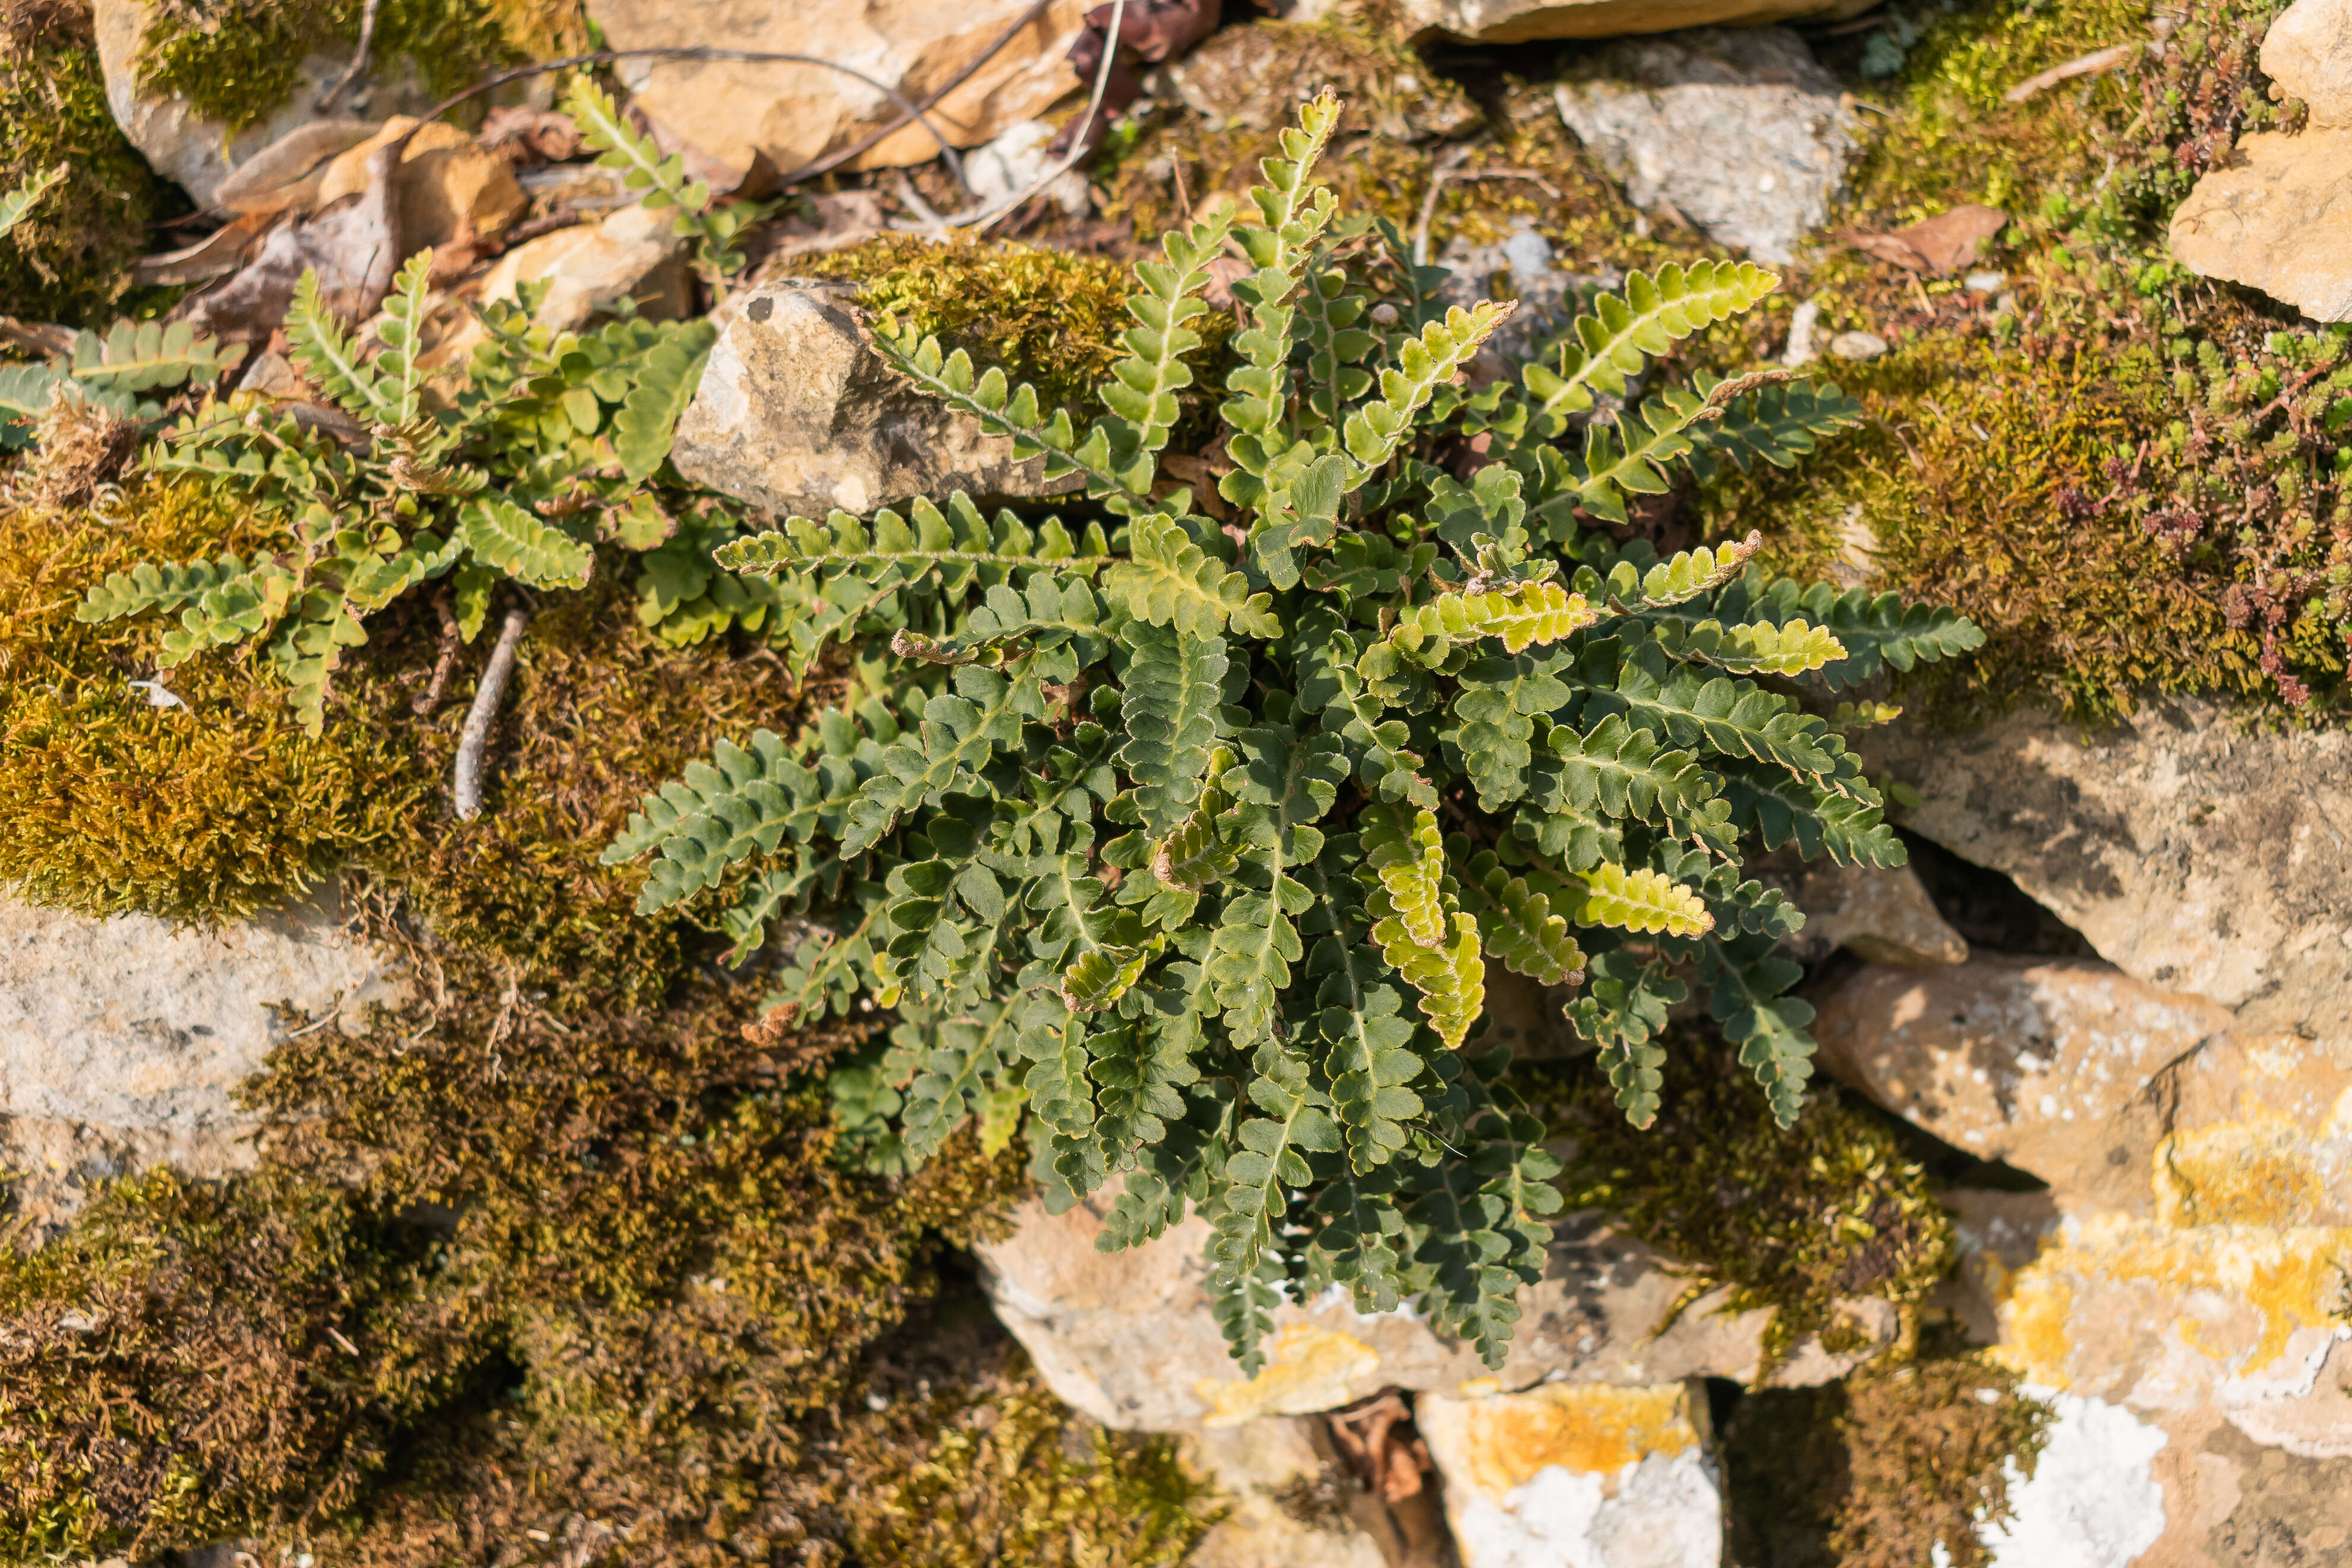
(451, 640)
(476, 738)
(358, 68)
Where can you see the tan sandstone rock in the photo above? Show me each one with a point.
(1515, 21)
(796, 415)
(1257, 1466)
(1127, 1337)
(2277, 214)
(2043, 1064)
(1578, 1474)
(200, 154)
(449, 187)
(1878, 913)
(121, 1040)
(2193, 855)
(790, 114)
(2307, 54)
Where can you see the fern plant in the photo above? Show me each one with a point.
(1191, 836)
(544, 451)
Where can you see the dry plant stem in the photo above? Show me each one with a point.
(983, 222)
(358, 68)
(451, 640)
(476, 738)
(898, 100)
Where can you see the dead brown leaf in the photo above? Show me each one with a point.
(354, 246)
(531, 137)
(1938, 245)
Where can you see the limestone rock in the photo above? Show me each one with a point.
(1515, 21)
(1741, 131)
(1578, 1473)
(635, 254)
(2094, 1501)
(2043, 1064)
(2193, 857)
(198, 153)
(796, 415)
(447, 186)
(2307, 54)
(121, 1040)
(1127, 1337)
(2278, 217)
(1252, 75)
(1264, 1466)
(1880, 914)
(790, 114)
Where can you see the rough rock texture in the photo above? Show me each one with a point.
(2278, 215)
(2307, 54)
(1578, 1474)
(183, 146)
(1741, 131)
(1883, 914)
(2197, 858)
(796, 415)
(634, 253)
(1127, 1338)
(2041, 1064)
(121, 1040)
(790, 114)
(447, 186)
(1513, 21)
(1266, 1468)
(2094, 1500)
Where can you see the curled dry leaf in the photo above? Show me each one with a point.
(355, 246)
(1938, 245)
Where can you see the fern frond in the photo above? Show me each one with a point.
(1002, 408)
(331, 360)
(1745, 984)
(15, 204)
(402, 377)
(500, 534)
(1270, 1157)
(1515, 924)
(1774, 425)
(1174, 687)
(1643, 901)
(149, 586)
(1141, 392)
(1760, 648)
(955, 737)
(647, 425)
(1622, 332)
(1168, 580)
(1410, 863)
(1528, 615)
(1373, 433)
(137, 356)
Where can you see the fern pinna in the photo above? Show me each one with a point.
(1196, 830)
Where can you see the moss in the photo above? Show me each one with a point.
(1988, 480)
(70, 258)
(1793, 1220)
(1894, 1468)
(1050, 317)
(205, 810)
(237, 60)
(1003, 1472)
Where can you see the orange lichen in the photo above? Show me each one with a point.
(1584, 1429)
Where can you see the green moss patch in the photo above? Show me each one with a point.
(71, 256)
(1891, 1469)
(1790, 1219)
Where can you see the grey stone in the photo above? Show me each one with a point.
(200, 154)
(1878, 913)
(796, 414)
(1857, 346)
(1127, 1337)
(1739, 132)
(2191, 853)
(121, 1039)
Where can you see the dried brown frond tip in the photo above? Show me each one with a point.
(82, 447)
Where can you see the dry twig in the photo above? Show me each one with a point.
(476, 738)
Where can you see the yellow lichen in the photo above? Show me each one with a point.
(1311, 1368)
(1585, 1428)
